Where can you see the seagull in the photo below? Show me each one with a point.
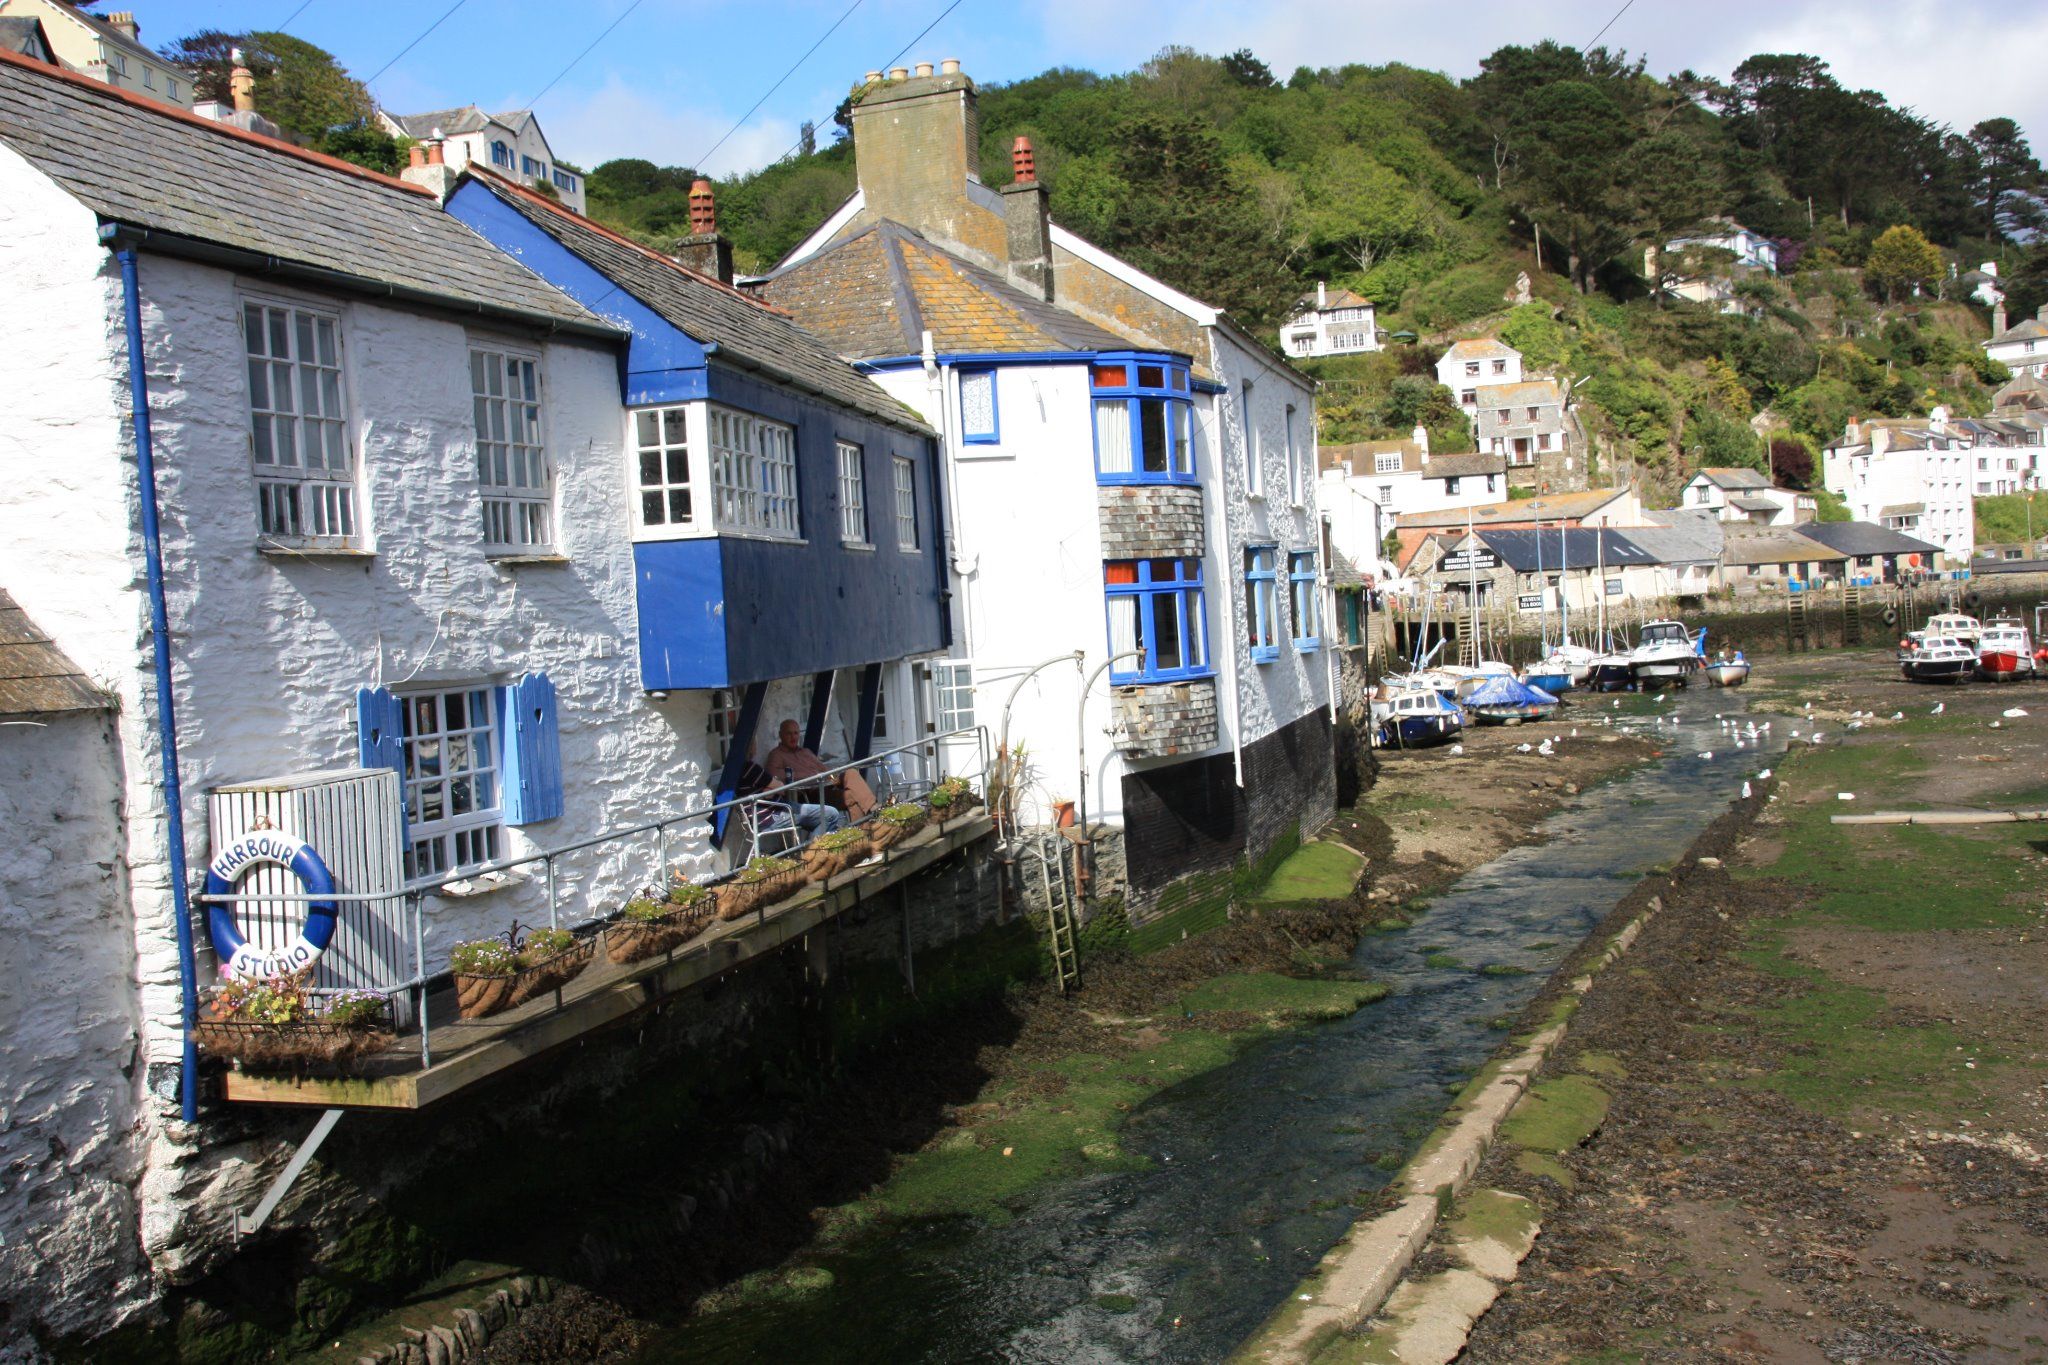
(1816, 737)
(1740, 745)
(1575, 732)
(1457, 748)
(1745, 791)
(1708, 754)
(2014, 714)
(1617, 701)
(1898, 715)
(1845, 796)
(1545, 749)
(1939, 707)
(1764, 774)
(1524, 748)
(1997, 724)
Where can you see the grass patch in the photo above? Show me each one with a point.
(1443, 961)
(1545, 1165)
(1557, 1115)
(1600, 1064)
(1491, 1215)
(1283, 997)
(1503, 969)
(1313, 872)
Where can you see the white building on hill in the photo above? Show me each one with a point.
(1475, 362)
(511, 144)
(2023, 348)
(1912, 475)
(1325, 323)
(1738, 494)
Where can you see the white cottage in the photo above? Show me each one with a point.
(2022, 348)
(512, 144)
(1133, 480)
(1325, 323)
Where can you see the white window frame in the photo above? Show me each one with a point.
(903, 477)
(664, 485)
(853, 494)
(297, 503)
(953, 694)
(754, 475)
(1386, 462)
(515, 478)
(471, 838)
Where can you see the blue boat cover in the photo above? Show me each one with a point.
(1501, 690)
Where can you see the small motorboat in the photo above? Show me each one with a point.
(1414, 718)
(1573, 661)
(1955, 626)
(1665, 654)
(1727, 670)
(1555, 681)
(1611, 672)
(2005, 652)
(1935, 658)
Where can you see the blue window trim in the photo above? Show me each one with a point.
(501, 155)
(1180, 409)
(1262, 608)
(1301, 569)
(1192, 608)
(563, 179)
(994, 435)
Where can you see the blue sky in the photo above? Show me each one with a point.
(676, 74)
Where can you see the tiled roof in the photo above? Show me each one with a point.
(1681, 536)
(1527, 394)
(1551, 507)
(1334, 298)
(1902, 509)
(1864, 538)
(137, 162)
(872, 296)
(1360, 457)
(1734, 476)
(24, 35)
(1775, 547)
(1478, 348)
(2031, 329)
(1582, 547)
(36, 679)
(747, 332)
(451, 122)
(1751, 504)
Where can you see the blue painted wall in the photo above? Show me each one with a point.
(734, 610)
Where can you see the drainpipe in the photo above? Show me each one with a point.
(945, 499)
(166, 713)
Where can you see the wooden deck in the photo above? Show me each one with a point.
(466, 1052)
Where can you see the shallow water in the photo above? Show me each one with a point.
(1256, 1164)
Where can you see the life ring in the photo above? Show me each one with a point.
(1973, 600)
(268, 848)
(1891, 616)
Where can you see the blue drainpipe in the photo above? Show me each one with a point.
(166, 713)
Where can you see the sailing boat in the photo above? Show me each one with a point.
(1563, 665)
(1612, 670)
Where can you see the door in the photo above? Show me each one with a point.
(949, 704)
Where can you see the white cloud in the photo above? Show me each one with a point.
(618, 120)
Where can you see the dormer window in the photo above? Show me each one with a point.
(1386, 463)
(1144, 422)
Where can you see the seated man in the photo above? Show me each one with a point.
(790, 762)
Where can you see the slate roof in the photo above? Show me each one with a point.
(1578, 547)
(1748, 504)
(1681, 536)
(1776, 547)
(1362, 457)
(1530, 393)
(2031, 329)
(25, 36)
(137, 162)
(1554, 507)
(1865, 538)
(1333, 298)
(1902, 509)
(873, 294)
(36, 679)
(451, 122)
(746, 331)
(1723, 476)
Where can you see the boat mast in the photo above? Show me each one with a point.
(1564, 592)
(1600, 589)
(1542, 597)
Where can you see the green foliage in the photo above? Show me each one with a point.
(760, 869)
(544, 944)
(903, 814)
(684, 894)
(1828, 507)
(1540, 338)
(299, 87)
(2009, 518)
(483, 957)
(641, 910)
(1902, 261)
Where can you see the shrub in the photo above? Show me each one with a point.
(838, 839)
(483, 957)
(358, 1009)
(686, 894)
(905, 814)
(761, 869)
(641, 910)
(542, 944)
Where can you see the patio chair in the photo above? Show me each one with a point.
(769, 830)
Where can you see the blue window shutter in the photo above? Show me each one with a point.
(380, 735)
(532, 751)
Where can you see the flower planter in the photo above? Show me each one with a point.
(820, 863)
(290, 1048)
(886, 833)
(635, 940)
(480, 996)
(740, 897)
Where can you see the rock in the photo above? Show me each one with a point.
(498, 1311)
(543, 1289)
(454, 1350)
(408, 1354)
(522, 1291)
(414, 1335)
(469, 1325)
(1709, 862)
(437, 1349)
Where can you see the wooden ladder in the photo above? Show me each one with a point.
(1059, 918)
(1468, 638)
(1852, 614)
(1796, 637)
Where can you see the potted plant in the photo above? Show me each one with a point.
(648, 926)
(893, 824)
(952, 797)
(761, 883)
(278, 1025)
(829, 854)
(493, 974)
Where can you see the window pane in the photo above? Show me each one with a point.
(1113, 436)
(1123, 630)
(1151, 377)
(1152, 431)
(1165, 635)
(1110, 376)
(978, 404)
(1120, 571)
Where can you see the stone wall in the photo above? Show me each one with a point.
(1160, 720)
(1150, 521)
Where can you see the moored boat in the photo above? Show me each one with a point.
(1611, 672)
(1414, 718)
(2005, 652)
(1955, 626)
(1727, 670)
(1555, 682)
(1503, 700)
(1666, 653)
(1936, 658)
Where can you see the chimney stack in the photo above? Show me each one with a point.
(1322, 296)
(1421, 438)
(1997, 320)
(241, 83)
(1028, 224)
(429, 168)
(124, 20)
(704, 250)
(916, 144)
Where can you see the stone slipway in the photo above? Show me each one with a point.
(1428, 1320)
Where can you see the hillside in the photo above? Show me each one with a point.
(1428, 195)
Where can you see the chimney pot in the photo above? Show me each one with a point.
(950, 67)
(872, 78)
(899, 73)
(1023, 162)
(924, 68)
(703, 207)
(417, 155)
(241, 83)
(434, 153)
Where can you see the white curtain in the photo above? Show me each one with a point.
(1123, 629)
(1113, 436)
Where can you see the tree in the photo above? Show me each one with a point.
(2005, 166)
(1791, 463)
(1902, 261)
(299, 87)
(1246, 69)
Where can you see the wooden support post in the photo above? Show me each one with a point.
(739, 744)
(821, 706)
(870, 700)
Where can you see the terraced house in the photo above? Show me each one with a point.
(436, 535)
(1133, 480)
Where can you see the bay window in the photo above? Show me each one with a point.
(1144, 423)
(661, 457)
(1155, 609)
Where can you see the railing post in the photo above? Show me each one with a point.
(554, 910)
(419, 972)
(661, 857)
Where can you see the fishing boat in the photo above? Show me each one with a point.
(1936, 658)
(1727, 670)
(1501, 699)
(1665, 653)
(2005, 651)
(1414, 718)
(1955, 626)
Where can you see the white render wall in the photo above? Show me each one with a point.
(1941, 480)
(268, 651)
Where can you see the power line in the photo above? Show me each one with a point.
(898, 57)
(778, 84)
(581, 55)
(1611, 22)
(417, 41)
(293, 15)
